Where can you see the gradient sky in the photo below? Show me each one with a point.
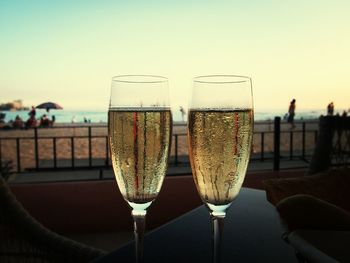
(67, 51)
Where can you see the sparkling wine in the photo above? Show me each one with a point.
(219, 144)
(140, 140)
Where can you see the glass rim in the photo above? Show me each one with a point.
(212, 80)
(142, 78)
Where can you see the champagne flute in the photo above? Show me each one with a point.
(139, 132)
(220, 128)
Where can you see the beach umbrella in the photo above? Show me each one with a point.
(49, 106)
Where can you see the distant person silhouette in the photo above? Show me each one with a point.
(32, 112)
(330, 109)
(74, 119)
(18, 123)
(53, 120)
(183, 112)
(291, 113)
(31, 122)
(44, 121)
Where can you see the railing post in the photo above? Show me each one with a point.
(18, 155)
(176, 153)
(277, 136)
(303, 140)
(291, 145)
(90, 149)
(54, 153)
(316, 135)
(0, 158)
(36, 150)
(262, 150)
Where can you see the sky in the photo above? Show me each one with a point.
(68, 51)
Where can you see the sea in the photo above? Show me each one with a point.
(100, 116)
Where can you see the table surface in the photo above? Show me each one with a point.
(252, 233)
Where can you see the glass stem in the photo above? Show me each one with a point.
(218, 228)
(139, 217)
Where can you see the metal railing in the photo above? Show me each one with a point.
(264, 153)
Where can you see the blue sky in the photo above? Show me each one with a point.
(67, 51)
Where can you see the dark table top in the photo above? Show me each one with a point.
(252, 233)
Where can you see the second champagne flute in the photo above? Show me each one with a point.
(139, 131)
(220, 128)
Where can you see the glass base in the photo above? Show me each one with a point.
(139, 208)
(218, 210)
